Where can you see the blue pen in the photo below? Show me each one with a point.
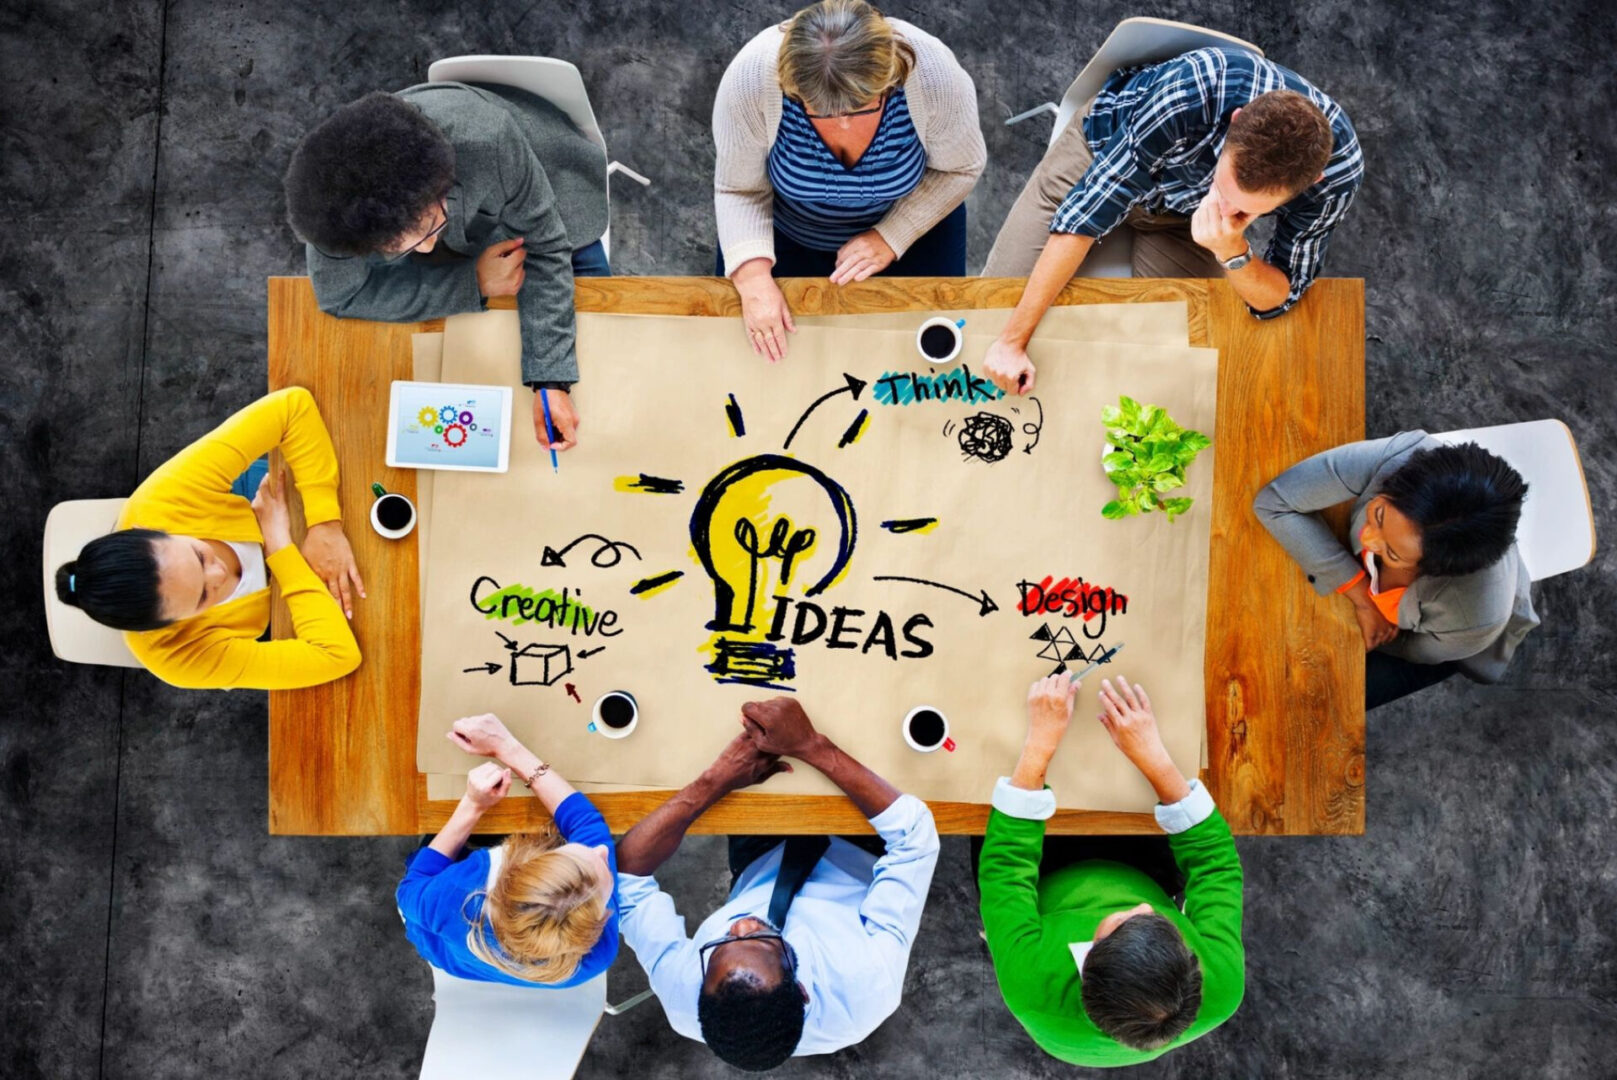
(550, 431)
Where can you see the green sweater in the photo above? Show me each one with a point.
(1030, 924)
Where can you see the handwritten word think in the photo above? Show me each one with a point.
(955, 384)
(1072, 597)
(562, 612)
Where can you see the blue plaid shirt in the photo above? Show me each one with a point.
(1157, 131)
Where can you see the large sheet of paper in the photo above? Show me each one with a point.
(876, 614)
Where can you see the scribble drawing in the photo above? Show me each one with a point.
(753, 663)
(649, 485)
(537, 664)
(985, 437)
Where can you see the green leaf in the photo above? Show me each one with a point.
(1125, 479)
(1175, 507)
(1160, 464)
(1113, 511)
(1148, 499)
(1167, 481)
(1122, 438)
(1117, 460)
(1130, 407)
(1111, 415)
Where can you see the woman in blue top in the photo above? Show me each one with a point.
(540, 909)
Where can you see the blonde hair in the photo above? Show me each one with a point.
(544, 913)
(839, 55)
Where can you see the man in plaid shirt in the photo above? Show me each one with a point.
(1188, 153)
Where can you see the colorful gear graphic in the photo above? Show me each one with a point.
(438, 429)
(472, 426)
(454, 435)
(466, 417)
(447, 414)
(426, 418)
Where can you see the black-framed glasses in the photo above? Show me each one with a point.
(443, 207)
(879, 106)
(788, 954)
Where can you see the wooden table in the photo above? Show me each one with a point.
(1285, 669)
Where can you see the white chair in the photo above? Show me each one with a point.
(1557, 529)
(1132, 43)
(494, 1031)
(558, 82)
(74, 636)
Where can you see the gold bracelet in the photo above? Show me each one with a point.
(540, 770)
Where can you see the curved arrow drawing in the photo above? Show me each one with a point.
(553, 557)
(854, 387)
(984, 603)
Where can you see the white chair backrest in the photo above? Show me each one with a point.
(75, 637)
(1557, 530)
(1134, 42)
(557, 81)
(494, 1031)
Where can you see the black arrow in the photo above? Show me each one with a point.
(488, 669)
(854, 387)
(985, 604)
(552, 557)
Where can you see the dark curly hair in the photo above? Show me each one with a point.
(367, 175)
(1141, 984)
(751, 1027)
(1282, 141)
(1466, 502)
(114, 580)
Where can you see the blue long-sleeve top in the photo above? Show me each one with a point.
(433, 899)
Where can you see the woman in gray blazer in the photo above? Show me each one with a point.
(427, 202)
(1430, 566)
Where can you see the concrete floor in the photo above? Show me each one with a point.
(150, 928)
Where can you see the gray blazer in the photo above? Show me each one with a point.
(521, 169)
(1477, 619)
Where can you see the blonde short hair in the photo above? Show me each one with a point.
(544, 913)
(839, 55)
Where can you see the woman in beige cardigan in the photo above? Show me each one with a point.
(847, 143)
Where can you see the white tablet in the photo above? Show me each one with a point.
(445, 426)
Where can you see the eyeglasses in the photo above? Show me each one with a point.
(443, 208)
(881, 104)
(788, 954)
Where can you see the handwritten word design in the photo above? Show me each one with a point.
(1072, 598)
(952, 384)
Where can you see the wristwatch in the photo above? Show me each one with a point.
(1239, 261)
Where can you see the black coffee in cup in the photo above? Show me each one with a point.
(394, 512)
(617, 711)
(926, 728)
(937, 342)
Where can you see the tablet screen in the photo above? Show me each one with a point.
(446, 426)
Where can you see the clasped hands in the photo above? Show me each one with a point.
(771, 730)
(325, 545)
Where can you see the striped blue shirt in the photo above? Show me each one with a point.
(1157, 131)
(822, 203)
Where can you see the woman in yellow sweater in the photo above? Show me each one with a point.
(186, 573)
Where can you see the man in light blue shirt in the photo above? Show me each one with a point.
(808, 955)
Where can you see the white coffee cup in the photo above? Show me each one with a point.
(601, 727)
(945, 742)
(376, 520)
(953, 327)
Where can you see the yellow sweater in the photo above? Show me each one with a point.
(190, 495)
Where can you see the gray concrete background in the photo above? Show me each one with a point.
(150, 927)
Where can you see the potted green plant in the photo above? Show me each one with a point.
(1145, 457)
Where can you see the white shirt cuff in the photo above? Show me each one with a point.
(1022, 803)
(1188, 812)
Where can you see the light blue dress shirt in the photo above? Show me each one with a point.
(851, 927)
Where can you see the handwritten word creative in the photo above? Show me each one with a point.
(520, 604)
(952, 384)
(1072, 598)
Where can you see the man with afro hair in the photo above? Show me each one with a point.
(427, 202)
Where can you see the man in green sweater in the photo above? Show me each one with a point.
(1093, 956)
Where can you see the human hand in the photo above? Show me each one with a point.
(269, 506)
(1049, 711)
(779, 726)
(1010, 369)
(1224, 236)
(1128, 719)
(742, 764)
(500, 269)
(327, 550)
(1374, 626)
(764, 313)
(562, 417)
(484, 735)
(487, 785)
(864, 255)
